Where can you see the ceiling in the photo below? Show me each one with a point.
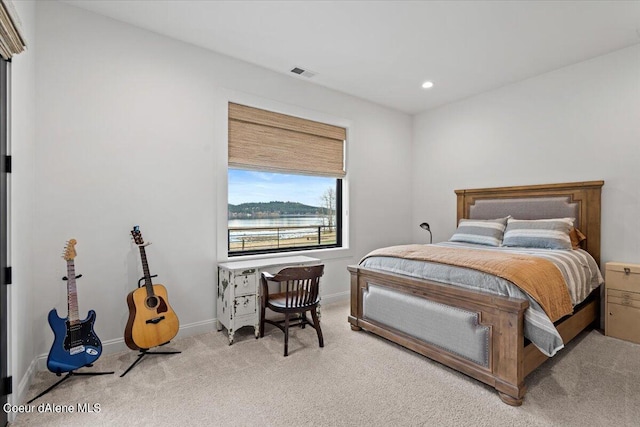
(383, 51)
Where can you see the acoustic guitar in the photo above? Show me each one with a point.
(75, 344)
(152, 321)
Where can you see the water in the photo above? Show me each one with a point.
(279, 222)
(293, 221)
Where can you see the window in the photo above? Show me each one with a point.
(285, 182)
(271, 212)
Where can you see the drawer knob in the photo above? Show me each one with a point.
(627, 271)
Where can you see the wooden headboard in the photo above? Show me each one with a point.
(580, 200)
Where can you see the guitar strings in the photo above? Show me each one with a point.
(73, 326)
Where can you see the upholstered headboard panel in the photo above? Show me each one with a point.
(523, 208)
(579, 200)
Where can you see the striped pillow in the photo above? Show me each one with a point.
(540, 233)
(480, 231)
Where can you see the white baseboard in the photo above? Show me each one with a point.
(340, 296)
(19, 395)
(117, 345)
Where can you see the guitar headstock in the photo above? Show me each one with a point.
(70, 250)
(136, 234)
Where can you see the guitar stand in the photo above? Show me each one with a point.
(142, 279)
(144, 352)
(66, 377)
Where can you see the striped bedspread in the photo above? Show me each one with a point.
(578, 268)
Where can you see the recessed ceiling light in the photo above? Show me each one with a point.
(427, 85)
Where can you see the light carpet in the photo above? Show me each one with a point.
(357, 379)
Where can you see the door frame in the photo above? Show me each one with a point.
(5, 278)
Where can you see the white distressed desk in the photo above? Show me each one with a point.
(238, 301)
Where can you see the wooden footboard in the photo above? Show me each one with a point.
(508, 362)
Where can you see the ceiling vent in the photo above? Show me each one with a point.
(302, 72)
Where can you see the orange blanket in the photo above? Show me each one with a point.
(538, 277)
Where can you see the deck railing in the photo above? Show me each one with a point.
(258, 238)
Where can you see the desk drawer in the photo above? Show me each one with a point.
(244, 305)
(245, 284)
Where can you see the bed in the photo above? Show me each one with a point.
(484, 335)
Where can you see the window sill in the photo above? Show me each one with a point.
(322, 254)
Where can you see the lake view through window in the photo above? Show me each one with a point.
(277, 212)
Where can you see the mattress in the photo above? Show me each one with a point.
(578, 268)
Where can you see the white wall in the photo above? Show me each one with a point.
(22, 139)
(129, 132)
(577, 123)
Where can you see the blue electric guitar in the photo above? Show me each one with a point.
(75, 344)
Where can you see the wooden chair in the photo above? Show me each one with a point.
(299, 288)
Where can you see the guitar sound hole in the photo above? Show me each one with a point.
(152, 302)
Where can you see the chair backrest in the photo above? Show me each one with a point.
(301, 284)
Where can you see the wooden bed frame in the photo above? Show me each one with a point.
(510, 361)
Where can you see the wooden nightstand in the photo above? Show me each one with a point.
(622, 284)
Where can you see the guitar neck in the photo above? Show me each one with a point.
(72, 294)
(145, 269)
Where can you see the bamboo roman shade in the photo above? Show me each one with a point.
(11, 41)
(264, 140)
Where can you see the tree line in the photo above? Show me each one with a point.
(275, 208)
